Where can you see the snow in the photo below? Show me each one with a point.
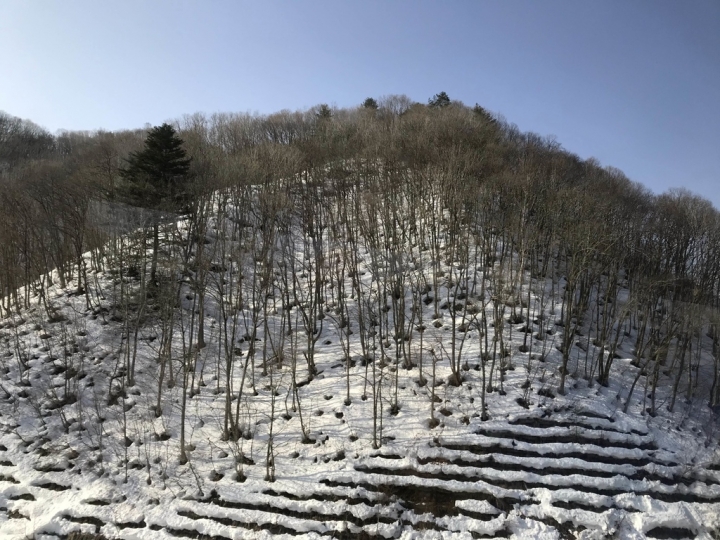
(595, 470)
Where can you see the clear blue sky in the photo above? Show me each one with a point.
(635, 84)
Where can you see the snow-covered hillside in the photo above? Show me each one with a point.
(364, 446)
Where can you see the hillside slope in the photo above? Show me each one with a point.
(357, 447)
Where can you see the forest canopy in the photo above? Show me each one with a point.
(443, 175)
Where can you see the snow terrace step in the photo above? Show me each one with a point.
(569, 435)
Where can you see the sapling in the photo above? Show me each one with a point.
(376, 390)
(270, 453)
(433, 422)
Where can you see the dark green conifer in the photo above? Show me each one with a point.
(439, 101)
(324, 112)
(370, 103)
(156, 176)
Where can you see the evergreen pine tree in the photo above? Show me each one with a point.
(370, 103)
(156, 178)
(324, 112)
(439, 101)
(481, 112)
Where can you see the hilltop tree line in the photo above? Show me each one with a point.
(457, 215)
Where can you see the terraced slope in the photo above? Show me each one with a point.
(82, 451)
(552, 472)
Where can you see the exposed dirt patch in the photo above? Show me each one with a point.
(670, 533)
